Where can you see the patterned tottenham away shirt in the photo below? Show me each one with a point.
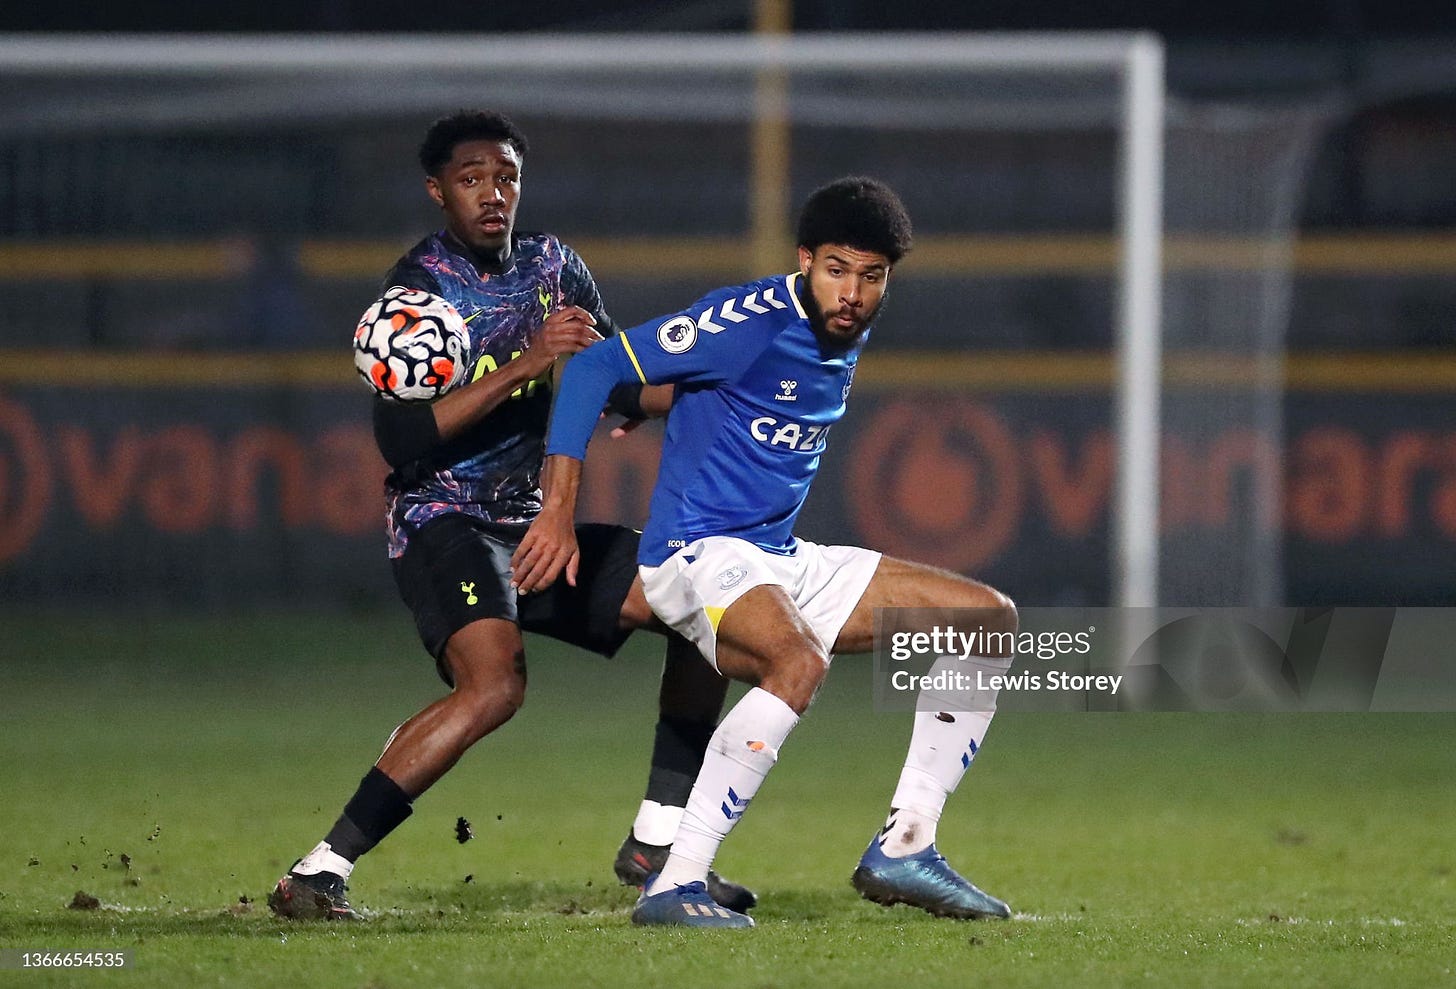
(493, 470)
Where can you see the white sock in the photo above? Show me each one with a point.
(323, 859)
(656, 823)
(740, 754)
(906, 832)
(949, 728)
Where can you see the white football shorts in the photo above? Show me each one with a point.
(691, 589)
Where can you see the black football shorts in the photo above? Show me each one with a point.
(456, 569)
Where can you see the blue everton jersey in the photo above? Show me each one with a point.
(493, 470)
(756, 397)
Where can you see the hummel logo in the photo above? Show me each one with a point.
(738, 806)
(729, 310)
(966, 757)
(787, 391)
(469, 591)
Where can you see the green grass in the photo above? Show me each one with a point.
(1290, 850)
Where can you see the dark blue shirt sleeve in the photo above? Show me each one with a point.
(582, 393)
(406, 431)
(676, 349)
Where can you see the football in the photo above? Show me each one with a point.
(411, 345)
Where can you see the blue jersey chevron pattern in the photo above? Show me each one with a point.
(756, 397)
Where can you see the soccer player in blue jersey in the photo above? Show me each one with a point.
(464, 486)
(762, 373)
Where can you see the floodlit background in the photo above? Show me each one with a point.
(1246, 402)
(190, 226)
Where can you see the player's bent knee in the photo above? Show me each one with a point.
(487, 707)
(1006, 616)
(796, 675)
(997, 610)
(511, 698)
(491, 691)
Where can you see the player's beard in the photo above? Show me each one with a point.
(820, 325)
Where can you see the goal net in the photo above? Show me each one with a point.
(200, 196)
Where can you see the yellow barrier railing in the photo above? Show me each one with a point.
(1431, 253)
(1001, 372)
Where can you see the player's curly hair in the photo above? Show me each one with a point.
(467, 125)
(858, 212)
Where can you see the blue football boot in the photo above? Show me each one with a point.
(637, 860)
(923, 880)
(688, 905)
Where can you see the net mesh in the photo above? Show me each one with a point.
(1234, 183)
(234, 206)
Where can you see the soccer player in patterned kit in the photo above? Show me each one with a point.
(465, 484)
(763, 372)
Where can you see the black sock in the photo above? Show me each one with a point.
(677, 755)
(377, 808)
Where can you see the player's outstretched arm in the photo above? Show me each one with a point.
(566, 331)
(637, 403)
(405, 432)
(549, 546)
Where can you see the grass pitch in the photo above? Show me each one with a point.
(173, 769)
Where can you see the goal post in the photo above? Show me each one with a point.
(904, 82)
(1139, 325)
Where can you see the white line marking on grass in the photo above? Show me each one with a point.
(1327, 922)
(1040, 918)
